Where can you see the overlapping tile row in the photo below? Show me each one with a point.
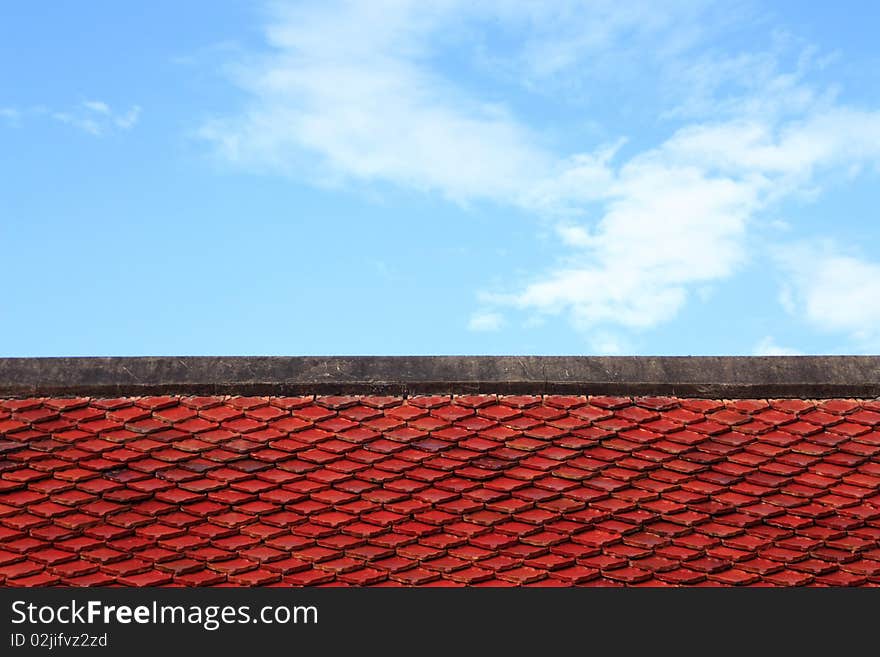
(439, 491)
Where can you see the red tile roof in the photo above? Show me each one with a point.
(478, 490)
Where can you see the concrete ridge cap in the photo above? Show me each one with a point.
(685, 376)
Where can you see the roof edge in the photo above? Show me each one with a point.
(684, 376)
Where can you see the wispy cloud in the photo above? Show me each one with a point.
(94, 117)
(834, 291)
(678, 215)
(10, 114)
(97, 106)
(486, 322)
(97, 117)
(344, 95)
(128, 119)
(768, 347)
(352, 92)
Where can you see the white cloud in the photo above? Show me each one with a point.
(486, 322)
(128, 119)
(84, 123)
(97, 106)
(574, 235)
(678, 215)
(665, 226)
(123, 120)
(605, 343)
(563, 48)
(835, 292)
(94, 117)
(768, 347)
(344, 96)
(827, 137)
(769, 83)
(349, 92)
(97, 118)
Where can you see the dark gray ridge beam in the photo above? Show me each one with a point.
(810, 377)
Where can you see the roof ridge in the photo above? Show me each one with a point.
(685, 376)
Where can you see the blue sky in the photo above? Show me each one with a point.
(417, 177)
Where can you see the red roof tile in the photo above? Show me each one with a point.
(476, 490)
